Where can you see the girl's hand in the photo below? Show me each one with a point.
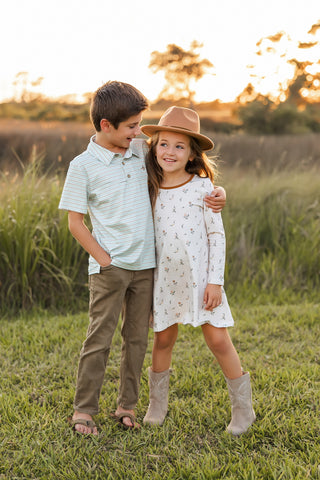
(216, 200)
(212, 296)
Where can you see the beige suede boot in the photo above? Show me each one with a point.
(241, 404)
(158, 401)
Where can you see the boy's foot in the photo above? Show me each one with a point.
(127, 421)
(80, 427)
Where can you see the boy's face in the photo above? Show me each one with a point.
(119, 139)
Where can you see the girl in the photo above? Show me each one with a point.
(190, 247)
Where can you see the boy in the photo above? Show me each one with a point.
(109, 180)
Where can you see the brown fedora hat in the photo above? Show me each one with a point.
(180, 120)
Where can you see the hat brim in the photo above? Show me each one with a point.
(204, 142)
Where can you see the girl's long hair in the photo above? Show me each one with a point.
(200, 165)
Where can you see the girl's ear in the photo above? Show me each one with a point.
(105, 125)
(192, 157)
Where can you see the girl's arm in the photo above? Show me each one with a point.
(216, 200)
(83, 235)
(216, 240)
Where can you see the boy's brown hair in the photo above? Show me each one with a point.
(116, 102)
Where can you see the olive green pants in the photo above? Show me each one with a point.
(114, 291)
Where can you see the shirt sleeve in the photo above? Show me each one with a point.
(217, 246)
(75, 191)
(145, 149)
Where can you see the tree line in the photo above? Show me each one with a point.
(293, 106)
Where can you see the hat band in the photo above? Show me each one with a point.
(181, 128)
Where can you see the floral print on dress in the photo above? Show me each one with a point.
(190, 249)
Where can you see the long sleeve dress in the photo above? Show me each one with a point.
(190, 252)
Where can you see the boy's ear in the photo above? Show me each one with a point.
(105, 125)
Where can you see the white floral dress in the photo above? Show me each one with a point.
(190, 249)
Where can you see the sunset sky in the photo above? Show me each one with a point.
(77, 45)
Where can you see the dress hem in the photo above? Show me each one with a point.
(195, 326)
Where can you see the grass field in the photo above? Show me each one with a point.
(279, 345)
(272, 224)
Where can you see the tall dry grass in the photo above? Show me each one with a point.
(58, 143)
(272, 222)
(40, 263)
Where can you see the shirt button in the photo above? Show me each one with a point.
(128, 175)
(123, 163)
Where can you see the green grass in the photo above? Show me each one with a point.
(279, 345)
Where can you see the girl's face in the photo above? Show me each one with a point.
(173, 152)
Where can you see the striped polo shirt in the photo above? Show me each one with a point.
(113, 188)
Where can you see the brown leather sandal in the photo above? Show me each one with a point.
(82, 421)
(119, 419)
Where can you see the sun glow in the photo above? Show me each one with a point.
(62, 59)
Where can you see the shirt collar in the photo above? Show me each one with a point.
(105, 155)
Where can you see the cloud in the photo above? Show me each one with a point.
(315, 27)
(307, 44)
(276, 37)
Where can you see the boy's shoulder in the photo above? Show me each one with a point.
(89, 158)
(82, 159)
(139, 146)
